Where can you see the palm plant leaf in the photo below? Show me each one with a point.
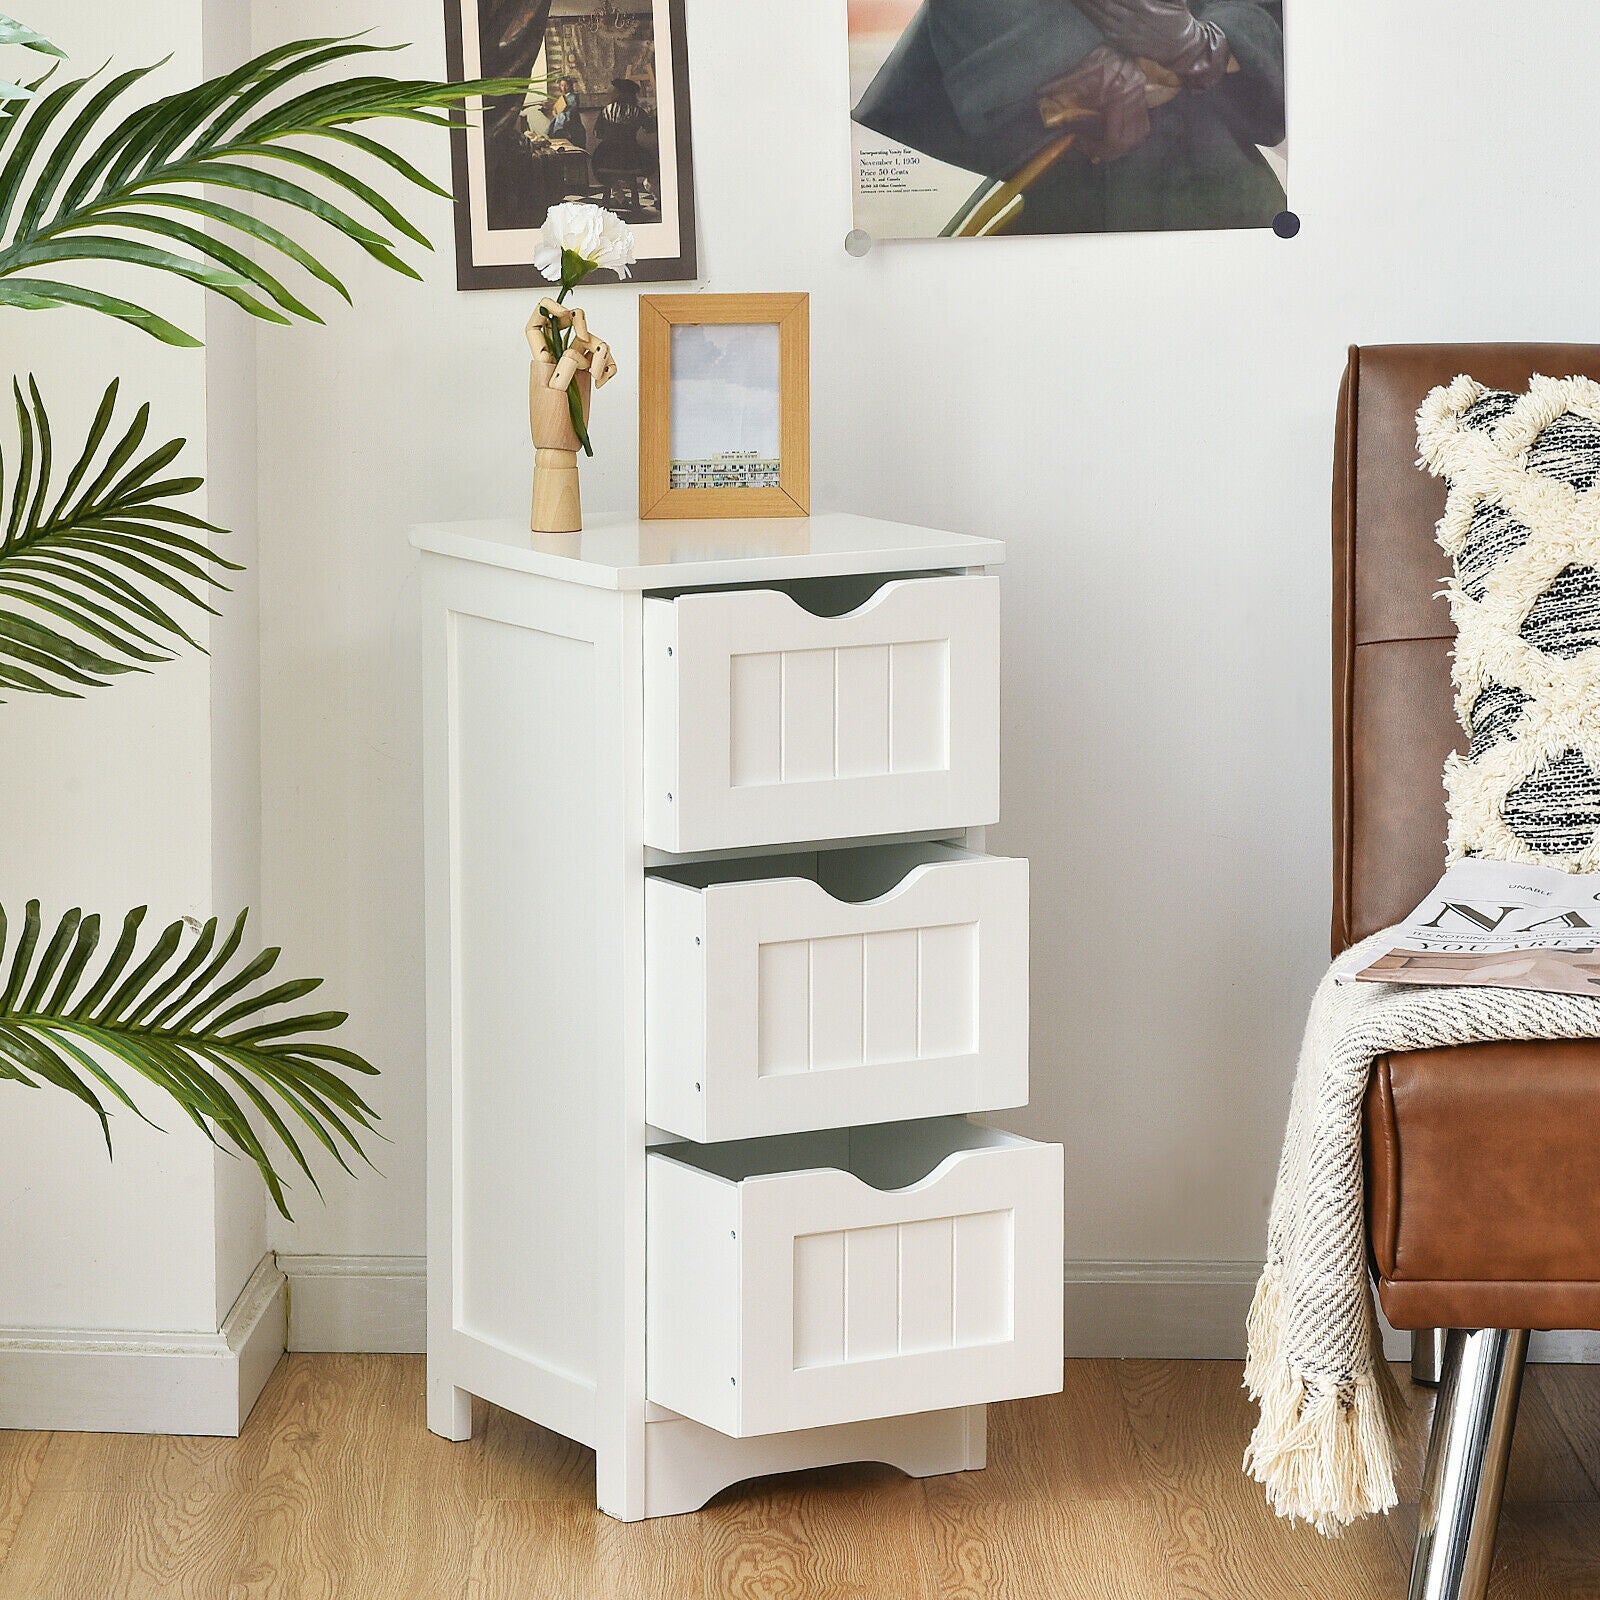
(91, 574)
(13, 96)
(14, 32)
(191, 1019)
(70, 194)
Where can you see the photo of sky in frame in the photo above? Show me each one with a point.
(725, 390)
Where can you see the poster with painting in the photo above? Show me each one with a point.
(1066, 116)
(605, 121)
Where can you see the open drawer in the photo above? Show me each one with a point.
(868, 1272)
(819, 990)
(766, 723)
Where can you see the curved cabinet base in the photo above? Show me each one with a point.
(686, 1464)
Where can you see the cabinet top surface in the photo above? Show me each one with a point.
(619, 553)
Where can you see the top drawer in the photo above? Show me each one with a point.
(766, 723)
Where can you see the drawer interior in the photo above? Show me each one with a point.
(854, 875)
(822, 597)
(888, 1155)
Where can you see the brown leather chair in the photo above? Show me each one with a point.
(1482, 1165)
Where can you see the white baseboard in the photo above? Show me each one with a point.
(1568, 1349)
(357, 1302)
(1195, 1310)
(1560, 1348)
(1192, 1310)
(90, 1381)
(1182, 1310)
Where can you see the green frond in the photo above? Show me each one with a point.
(14, 32)
(13, 96)
(167, 1019)
(74, 191)
(86, 571)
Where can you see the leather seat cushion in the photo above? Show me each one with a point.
(1483, 1185)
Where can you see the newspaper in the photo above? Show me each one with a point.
(1495, 922)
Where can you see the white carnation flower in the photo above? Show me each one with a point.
(594, 235)
(616, 244)
(567, 227)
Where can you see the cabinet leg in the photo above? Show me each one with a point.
(449, 1409)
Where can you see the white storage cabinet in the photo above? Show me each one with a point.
(703, 808)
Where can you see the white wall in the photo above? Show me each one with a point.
(1152, 435)
(240, 1226)
(107, 803)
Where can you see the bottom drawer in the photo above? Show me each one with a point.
(830, 1277)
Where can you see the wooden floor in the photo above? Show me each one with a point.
(1125, 1485)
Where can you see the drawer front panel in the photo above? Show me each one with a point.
(867, 999)
(865, 711)
(852, 1302)
(773, 1007)
(765, 724)
(941, 1283)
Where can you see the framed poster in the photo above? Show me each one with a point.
(606, 121)
(724, 405)
(971, 119)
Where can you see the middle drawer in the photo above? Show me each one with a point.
(848, 986)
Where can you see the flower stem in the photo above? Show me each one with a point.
(553, 342)
(575, 407)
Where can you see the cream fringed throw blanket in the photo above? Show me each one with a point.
(1325, 1443)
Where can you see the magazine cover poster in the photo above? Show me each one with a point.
(984, 117)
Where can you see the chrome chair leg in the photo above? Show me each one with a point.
(1427, 1356)
(1473, 1421)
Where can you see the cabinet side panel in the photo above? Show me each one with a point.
(694, 1312)
(675, 1008)
(524, 804)
(661, 693)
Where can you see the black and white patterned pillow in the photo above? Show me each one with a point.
(1522, 527)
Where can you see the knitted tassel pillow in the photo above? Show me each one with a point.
(1522, 527)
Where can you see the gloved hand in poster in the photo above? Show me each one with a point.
(1164, 31)
(1108, 91)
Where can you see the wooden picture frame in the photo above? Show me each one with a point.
(782, 492)
(505, 179)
